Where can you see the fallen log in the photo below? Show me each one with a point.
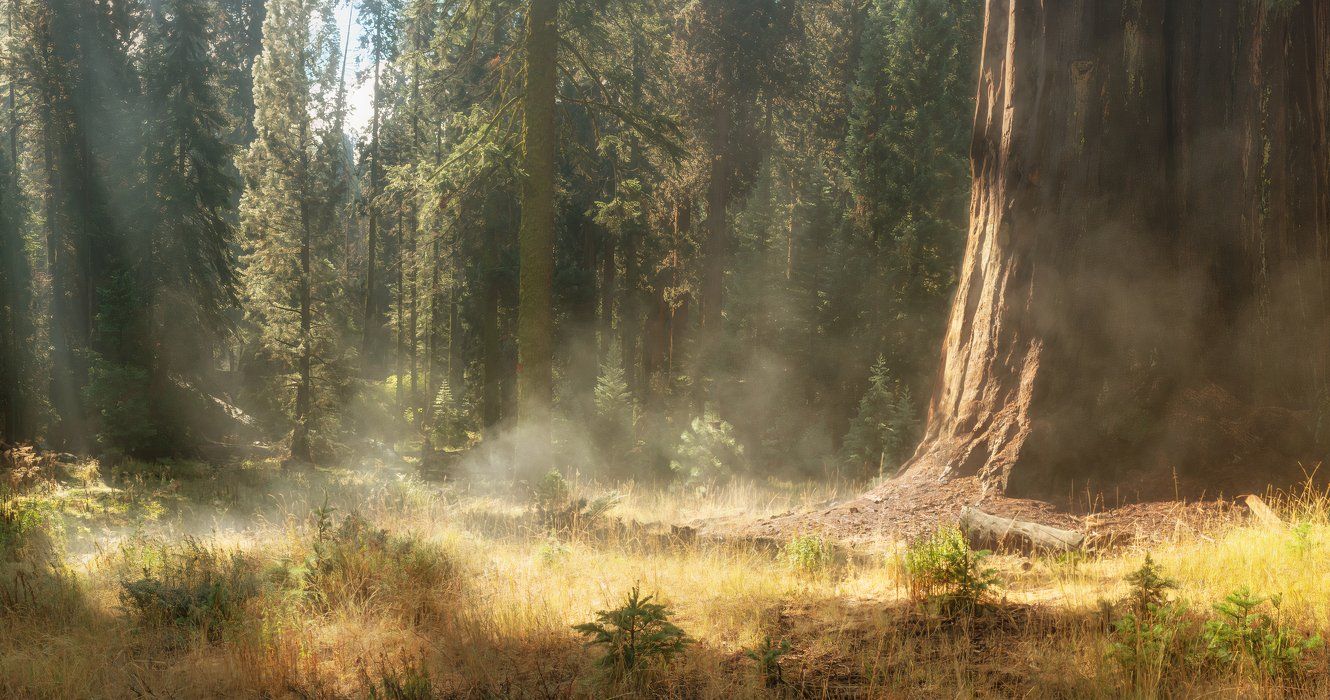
(985, 531)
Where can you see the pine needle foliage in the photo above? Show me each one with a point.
(634, 635)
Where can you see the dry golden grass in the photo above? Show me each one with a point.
(466, 596)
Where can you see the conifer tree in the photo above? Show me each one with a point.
(909, 128)
(379, 21)
(293, 172)
(16, 329)
(186, 266)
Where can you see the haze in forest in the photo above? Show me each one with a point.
(303, 225)
(664, 348)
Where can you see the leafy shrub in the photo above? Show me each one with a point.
(32, 569)
(1242, 632)
(1304, 538)
(767, 655)
(28, 530)
(883, 430)
(557, 509)
(708, 450)
(189, 586)
(551, 551)
(551, 492)
(1154, 635)
(633, 635)
(809, 554)
(1149, 587)
(944, 569)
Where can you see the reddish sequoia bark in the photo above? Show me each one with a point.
(1144, 284)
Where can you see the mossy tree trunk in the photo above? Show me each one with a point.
(535, 324)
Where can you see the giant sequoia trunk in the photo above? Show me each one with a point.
(1144, 287)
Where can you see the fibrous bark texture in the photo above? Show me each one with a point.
(1144, 290)
(535, 323)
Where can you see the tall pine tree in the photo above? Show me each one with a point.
(294, 176)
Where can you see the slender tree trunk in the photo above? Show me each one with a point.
(631, 317)
(431, 352)
(300, 447)
(413, 321)
(715, 250)
(608, 270)
(535, 331)
(580, 341)
(63, 385)
(369, 346)
(413, 221)
(491, 398)
(716, 246)
(456, 361)
(15, 297)
(300, 443)
(1146, 265)
(399, 360)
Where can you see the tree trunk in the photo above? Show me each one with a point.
(369, 346)
(608, 269)
(300, 447)
(431, 368)
(630, 309)
(579, 337)
(413, 313)
(491, 407)
(535, 325)
(716, 247)
(17, 293)
(1144, 285)
(399, 288)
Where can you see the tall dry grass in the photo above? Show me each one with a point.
(373, 584)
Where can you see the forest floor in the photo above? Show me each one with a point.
(912, 505)
(246, 580)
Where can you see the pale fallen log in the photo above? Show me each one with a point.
(987, 531)
(1263, 512)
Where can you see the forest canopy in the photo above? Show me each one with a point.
(658, 228)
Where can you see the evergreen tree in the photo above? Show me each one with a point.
(885, 429)
(86, 95)
(295, 180)
(909, 129)
(171, 304)
(16, 326)
(238, 43)
(615, 417)
(379, 22)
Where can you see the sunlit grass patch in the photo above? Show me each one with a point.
(356, 582)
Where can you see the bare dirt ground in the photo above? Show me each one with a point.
(914, 504)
